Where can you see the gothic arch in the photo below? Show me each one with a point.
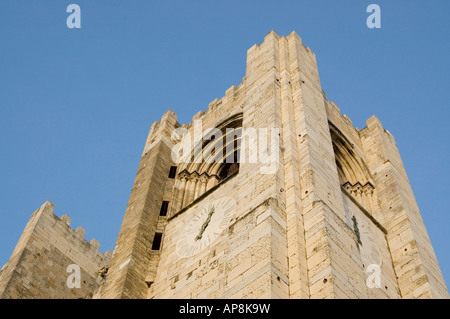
(212, 162)
(354, 176)
(217, 160)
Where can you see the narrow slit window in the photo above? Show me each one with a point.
(172, 172)
(164, 206)
(157, 241)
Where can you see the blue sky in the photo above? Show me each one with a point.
(76, 105)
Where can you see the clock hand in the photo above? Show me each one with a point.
(205, 224)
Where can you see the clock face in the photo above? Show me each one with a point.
(205, 227)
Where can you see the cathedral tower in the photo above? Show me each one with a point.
(272, 193)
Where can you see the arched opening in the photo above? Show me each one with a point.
(216, 162)
(354, 175)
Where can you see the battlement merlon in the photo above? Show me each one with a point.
(49, 245)
(63, 223)
(271, 55)
(161, 130)
(271, 42)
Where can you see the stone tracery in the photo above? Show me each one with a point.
(217, 160)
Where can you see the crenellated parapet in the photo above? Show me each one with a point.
(48, 253)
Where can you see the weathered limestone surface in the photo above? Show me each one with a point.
(413, 257)
(132, 255)
(38, 265)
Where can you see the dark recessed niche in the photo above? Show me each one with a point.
(157, 241)
(172, 172)
(164, 207)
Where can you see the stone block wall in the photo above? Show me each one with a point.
(38, 267)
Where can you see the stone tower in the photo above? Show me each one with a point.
(43, 261)
(298, 203)
(269, 193)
